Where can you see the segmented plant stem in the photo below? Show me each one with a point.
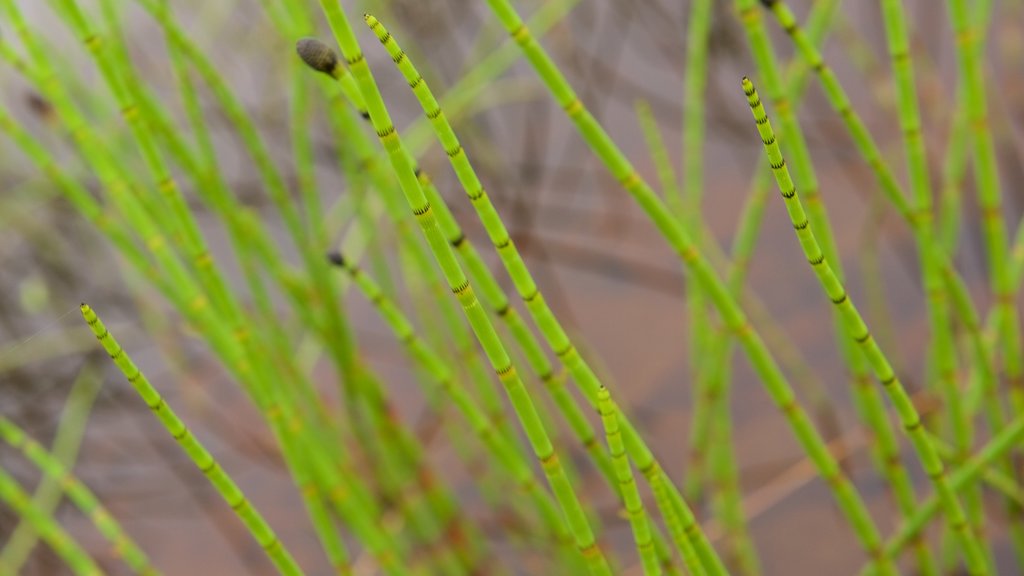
(488, 337)
(681, 242)
(634, 506)
(444, 377)
(942, 353)
(699, 334)
(909, 416)
(986, 172)
(1004, 441)
(123, 546)
(200, 456)
(51, 532)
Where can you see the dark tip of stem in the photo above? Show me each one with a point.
(317, 55)
(768, 3)
(336, 258)
(365, 114)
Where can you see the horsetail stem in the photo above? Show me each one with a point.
(623, 471)
(322, 58)
(866, 399)
(694, 82)
(986, 173)
(780, 391)
(891, 190)
(51, 532)
(185, 294)
(527, 288)
(444, 377)
(123, 546)
(904, 406)
(1002, 442)
(482, 327)
(438, 499)
(942, 352)
(416, 253)
(258, 528)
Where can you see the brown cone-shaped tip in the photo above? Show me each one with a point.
(317, 55)
(336, 258)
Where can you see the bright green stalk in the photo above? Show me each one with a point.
(443, 376)
(986, 172)
(66, 444)
(773, 379)
(729, 489)
(706, 413)
(326, 62)
(251, 244)
(336, 334)
(942, 354)
(181, 225)
(69, 551)
(864, 396)
(908, 414)
(423, 513)
(189, 300)
(855, 126)
(954, 168)
(964, 476)
(869, 149)
(495, 350)
(321, 58)
(493, 296)
(77, 194)
(890, 187)
(204, 461)
(634, 505)
(499, 236)
(659, 154)
(727, 499)
(468, 88)
(527, 288)
(58, 473)
(997, 479)
(694, 83)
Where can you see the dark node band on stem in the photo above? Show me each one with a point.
(317, 55)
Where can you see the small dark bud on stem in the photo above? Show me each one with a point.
(317, 55)
(336, 258)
